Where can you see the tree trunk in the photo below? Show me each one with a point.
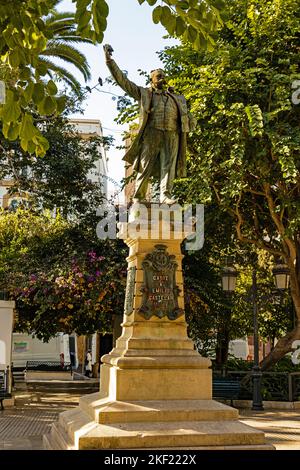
(283, 347)
(285, 344)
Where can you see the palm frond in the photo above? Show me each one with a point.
(68, 37)
(57, 16)
(69, 54)
(62, 28)
(63, 73)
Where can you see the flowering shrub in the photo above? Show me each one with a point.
(61, 278)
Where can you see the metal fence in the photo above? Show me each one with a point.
(49, 366)
(275, 386)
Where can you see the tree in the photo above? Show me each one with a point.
(208, 310)
(58, 181)
(25, 36)
(62, 25)
(244, 154)
(60, 275)
(51, 262)
(191, 20)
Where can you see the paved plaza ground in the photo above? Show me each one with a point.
(22, 426)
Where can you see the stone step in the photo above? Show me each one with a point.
(57, 439)
(71, 386)
(101, 410)
(47, 442)
(171, 434)
(75, 423)
(240, 447)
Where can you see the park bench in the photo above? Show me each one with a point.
(48, 370)
(54, 366)
(226, 388)
(4, 387)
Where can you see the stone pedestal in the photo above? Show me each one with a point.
(155, 389)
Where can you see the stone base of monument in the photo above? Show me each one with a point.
(160, 424)
(155, 389)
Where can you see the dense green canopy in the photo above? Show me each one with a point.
(245, 153)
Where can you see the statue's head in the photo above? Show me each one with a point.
(158, 78)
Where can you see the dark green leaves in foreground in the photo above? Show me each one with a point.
(193, 21)
(24, 37)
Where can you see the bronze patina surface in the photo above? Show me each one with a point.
(159, 149)
(160, 293)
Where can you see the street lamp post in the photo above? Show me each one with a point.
(257, 403)
(281, 277)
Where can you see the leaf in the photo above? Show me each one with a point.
(41, 69)
(191, 34)
(102, 7)
(197, 43)
(11, 110)
(156, 14)
(219, 4)
(168, 20)
(180, 26)
(13, 131)
(28, 91)
(210, 46)
(41, 146)
(25, 73)
(51, 87)
(14, 59)
(38, 92)
(27, 130)
(84, 19)
(255, 120)
(61, 103)
(49, 105)
(81, 6)
(27, 21)
(151, 2)
(184, 5)
(99, 19)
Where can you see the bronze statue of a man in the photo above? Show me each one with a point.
(159, 149)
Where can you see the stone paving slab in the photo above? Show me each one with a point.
(282, 428)
(22, 427)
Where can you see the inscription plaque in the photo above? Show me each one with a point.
(160, 293)
(129, 295)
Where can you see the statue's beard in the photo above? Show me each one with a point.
(160, 85)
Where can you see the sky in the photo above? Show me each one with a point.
(135, 40)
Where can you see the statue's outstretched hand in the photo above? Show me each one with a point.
(108, 50)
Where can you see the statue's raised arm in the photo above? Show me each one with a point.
(129, 87)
